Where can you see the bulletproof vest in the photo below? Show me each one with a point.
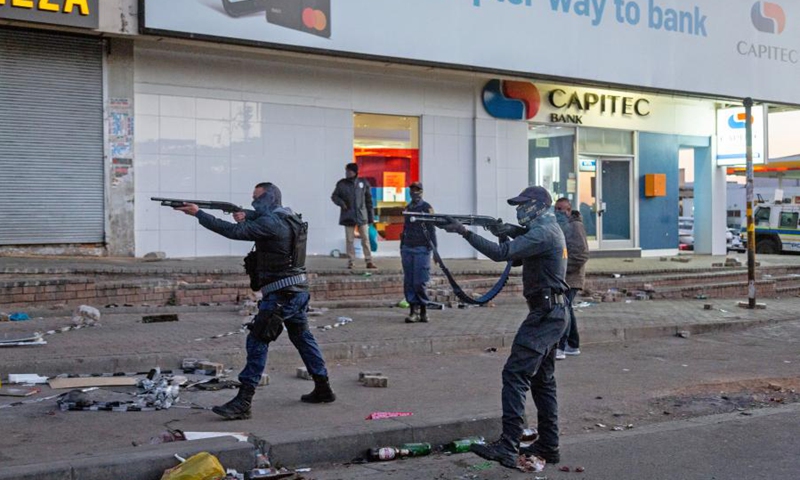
(279, 257)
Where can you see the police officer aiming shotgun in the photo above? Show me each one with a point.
(276, 266)
(531, 364)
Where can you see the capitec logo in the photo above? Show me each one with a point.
(768, 17)
(510, 100)
(738, 120)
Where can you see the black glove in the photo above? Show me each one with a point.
(453, 226)
(506, 230)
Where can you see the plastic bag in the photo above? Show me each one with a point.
(202, 466)
(373, 238)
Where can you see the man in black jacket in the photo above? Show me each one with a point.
(354, 197)
(415, 253)
(578, 253)
(280, 274)
(531, 364)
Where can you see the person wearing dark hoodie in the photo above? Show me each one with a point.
(571, 224)
(415, 254)
(353, 196)
(279, 272)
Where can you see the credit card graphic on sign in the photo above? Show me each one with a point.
(309, 16)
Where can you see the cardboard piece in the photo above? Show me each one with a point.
(17, 392)
(58, 383)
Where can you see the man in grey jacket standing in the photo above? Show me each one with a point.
(354, 197)
(571, 224)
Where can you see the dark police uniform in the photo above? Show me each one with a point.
(415, 253)
(531, 364)
(280, 273)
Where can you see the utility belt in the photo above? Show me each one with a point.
(283, 283)
(546, 299)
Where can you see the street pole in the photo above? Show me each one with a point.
(751, 228)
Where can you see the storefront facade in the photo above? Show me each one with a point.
(201, 100)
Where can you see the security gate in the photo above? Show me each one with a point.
(51, 138)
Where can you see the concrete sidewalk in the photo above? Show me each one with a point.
(124, 344)
(451, 395)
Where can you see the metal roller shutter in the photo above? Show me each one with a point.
(51, 139)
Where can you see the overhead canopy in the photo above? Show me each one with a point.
(784, 167)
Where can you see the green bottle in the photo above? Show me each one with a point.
(462, 445)
(416, 449)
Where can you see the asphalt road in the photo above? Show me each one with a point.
(764, 445)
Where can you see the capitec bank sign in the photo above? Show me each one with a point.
(516, 100)
(769, 18)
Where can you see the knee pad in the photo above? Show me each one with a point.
(296, 329)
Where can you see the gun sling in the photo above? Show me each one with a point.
(486, 298)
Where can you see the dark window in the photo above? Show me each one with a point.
(789, 220)
(762, 216)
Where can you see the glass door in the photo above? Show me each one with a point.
(604, 200)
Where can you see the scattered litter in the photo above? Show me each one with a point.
(491, 349)
(628, 260)
(683, 334)
(701, 296)
(361, 375)
(167, 436)
(629, 426)
(17, 392)
(241, 436)
(615, 275)
(302, 372)
(302, 470)
(402, 304)
(383, 415)
(787, 361)
(4, 317)
(168, 317)
(462, 445)
(340, 321)
(583, 305)
(26, 378)
(618, 428)
(200, 466)
(563, 468)
(269, 473)
(264, 380)
(59, 383)
(580, 469)
(684, 365)
(19, 317)
(33, 340)
(226, 334)
(530, 464)
(626, 370)
(600, 425)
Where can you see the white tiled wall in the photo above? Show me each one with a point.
(211, 127)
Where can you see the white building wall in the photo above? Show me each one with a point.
(212, 125)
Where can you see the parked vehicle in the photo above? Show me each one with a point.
(776, 228)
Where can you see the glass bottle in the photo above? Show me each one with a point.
(462, 445)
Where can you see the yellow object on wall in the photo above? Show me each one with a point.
(655, 185)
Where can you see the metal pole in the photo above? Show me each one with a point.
(751, 228)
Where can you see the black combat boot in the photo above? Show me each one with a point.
(503, 451)
(322, 392)
(239, 407)
(550, 455)
(423, 313)
(413, 316)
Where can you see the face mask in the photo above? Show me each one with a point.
(416, 197)
(562, 217)
(528, 211)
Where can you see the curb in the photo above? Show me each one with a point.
(139, 463)
(344, 446)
